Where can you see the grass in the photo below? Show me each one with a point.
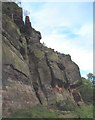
(84, 112)
(67, 105)
(42, 112)
(36, 112)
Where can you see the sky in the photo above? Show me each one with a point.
(67, 27)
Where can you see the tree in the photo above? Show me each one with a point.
(17, 1)
(91, 77)
(86, 91)
(26, 13)
(44, 44)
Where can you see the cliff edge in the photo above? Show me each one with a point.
(32, 73)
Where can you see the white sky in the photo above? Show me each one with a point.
(67, 27)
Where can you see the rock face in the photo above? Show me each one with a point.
(33, 73)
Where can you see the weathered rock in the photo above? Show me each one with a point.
(31, 71)
(71, 70)
(10, 57)
(14, 12)
(28, 28)
(17, 91)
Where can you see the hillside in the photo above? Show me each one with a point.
(33, 73)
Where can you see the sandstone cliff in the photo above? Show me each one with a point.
(33, 73)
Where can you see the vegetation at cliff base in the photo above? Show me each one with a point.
(84, 112)
(59, 111)
(39, 82)
(38, 111)
(86, 91)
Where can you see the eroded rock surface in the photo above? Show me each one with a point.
(33, 73)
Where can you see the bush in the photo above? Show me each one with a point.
(38, 111)
(84, 112)
(86, 91)
(66, 105)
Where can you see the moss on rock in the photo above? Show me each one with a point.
(9, 57)
(39, 54)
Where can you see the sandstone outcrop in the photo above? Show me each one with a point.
(33, 73)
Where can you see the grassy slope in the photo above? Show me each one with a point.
(42, 112)
(35, 112)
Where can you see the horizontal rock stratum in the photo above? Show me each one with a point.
(32, 73)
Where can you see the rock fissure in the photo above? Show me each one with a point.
(51, 72)
(36, 72)
(16, 70)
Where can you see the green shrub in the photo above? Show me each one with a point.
(38, 111)
(66, 105)
(84, 112)
(86, 91)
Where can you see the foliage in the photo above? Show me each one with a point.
(86, 91)
(42, 112)
(84, 112)
(17, 1)
(38, 111)
(66, 105)
(91, 77)
(26, 13)
(43, 44)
